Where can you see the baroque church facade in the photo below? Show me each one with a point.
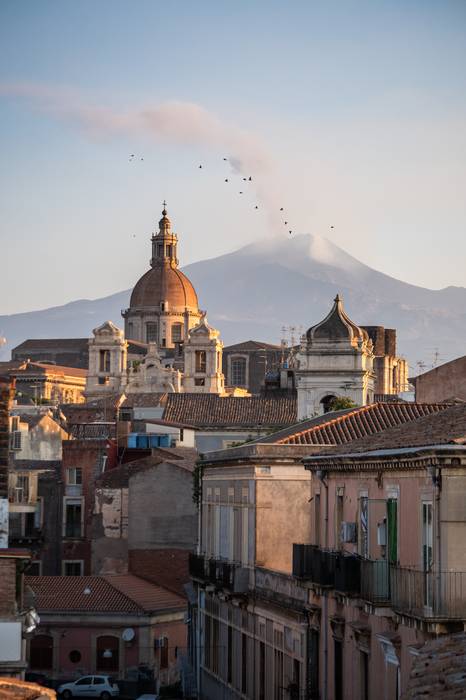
(184, 353)
(178, 351)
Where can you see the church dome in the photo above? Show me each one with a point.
(337, 326)
(164, 283)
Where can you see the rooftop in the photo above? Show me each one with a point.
(442, 428)
(213, 411)
(124, 593)
(341, 427)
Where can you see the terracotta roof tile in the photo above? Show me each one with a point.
(124, 593)
(66, 593)
(442, 427)
(438, 669)
(146, 400)
(213, 411)
(353, 424)
(166, 567)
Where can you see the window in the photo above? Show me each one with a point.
(364, 675)
(338, 516)
(99, 681)
(130, 330)
(177, 329)
(199, 381)
(107, 653)
(338, 669)
(15, 435)
(230, 655)
(74, 476)
(363, 526)
(73, 518)
(22, 489)
(317, 518)
(238, 371)
(201, 361)
(103, 380)
(73, 567)
(244, 663)
(163, 652)
(41, 652)
(104, 360)
(34, 568)
(151, 332)
(87, 680)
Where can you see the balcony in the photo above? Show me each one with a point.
(312, 563)
(219, 573)
(347, 574)
(375, 581)
(437, 595)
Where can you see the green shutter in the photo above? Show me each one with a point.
(392, 530)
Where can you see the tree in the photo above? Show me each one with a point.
(339, 403)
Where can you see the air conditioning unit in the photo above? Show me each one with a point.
(348, 532)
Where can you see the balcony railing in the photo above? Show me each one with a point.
(314, 564)
(437, 595)
(375, 581)
(440, 595)
(219, 573)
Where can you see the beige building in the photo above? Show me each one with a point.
(203, 360)
(386, 569)
(163, 306)
(257, 628)
(48, 383)
(335, 359)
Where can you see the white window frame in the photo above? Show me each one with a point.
(68, 500)
(74, 471)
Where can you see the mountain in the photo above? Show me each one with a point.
(258, 289)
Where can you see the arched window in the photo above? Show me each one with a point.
(238, 371)
(327, 402)
(201, 361)
(107, 653)
(41, 652)
(151, 332)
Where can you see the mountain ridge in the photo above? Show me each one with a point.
(255, 291)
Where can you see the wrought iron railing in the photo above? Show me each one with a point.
(219, 573)
(428, 595)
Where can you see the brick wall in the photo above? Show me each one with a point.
(6, 393)
(7, 587)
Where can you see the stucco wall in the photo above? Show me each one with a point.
(445, 382)
(282, 517)
(161, 512)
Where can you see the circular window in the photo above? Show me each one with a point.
(75, 656)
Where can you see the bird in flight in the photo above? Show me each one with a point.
(286, 223)
(281, 208)
(256, 207)
(226, 179)
(250, 179)
(241, 193)
(225, 159)
(200, 166)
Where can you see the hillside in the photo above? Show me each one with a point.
(256, 290)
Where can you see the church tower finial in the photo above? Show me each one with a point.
(164, 242)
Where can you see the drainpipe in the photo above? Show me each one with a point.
(438, 488)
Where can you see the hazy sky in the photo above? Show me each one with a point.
(350, 114)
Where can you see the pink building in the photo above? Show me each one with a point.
(106, 624)
(386, 569)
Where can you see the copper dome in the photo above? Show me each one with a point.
(164, 283)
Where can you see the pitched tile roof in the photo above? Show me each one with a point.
(213, 411)
(52, 343)
(148, 595)
(45, 368)
(346, 426)
(166, 567)
(251, 345)
(145, 400)
(66, 593)
(438, 669)
(447, 426)
(93, 431)
(124, 593)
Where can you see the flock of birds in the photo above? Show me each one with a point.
(248, 179)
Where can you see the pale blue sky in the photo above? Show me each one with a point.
(359, 107)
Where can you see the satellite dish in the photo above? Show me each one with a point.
(128, 634)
